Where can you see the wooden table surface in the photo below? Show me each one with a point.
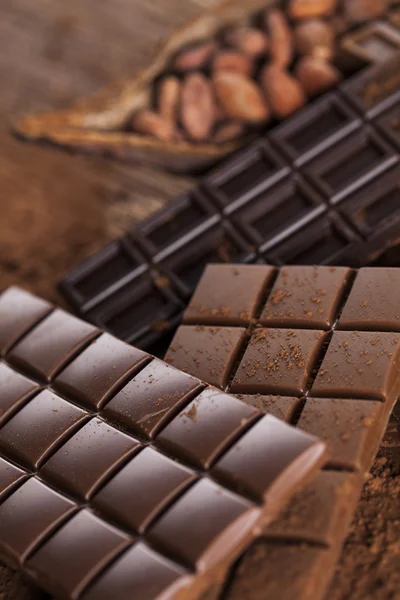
(55, 207)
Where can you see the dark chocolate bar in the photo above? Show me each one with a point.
(320, 348)
(112, 477)
(322, 188)
(376, 42)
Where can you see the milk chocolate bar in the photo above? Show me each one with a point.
(322, 188)
(320, 348)
(112, 463)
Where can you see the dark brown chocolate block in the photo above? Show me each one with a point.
(377, 42)
(307, 193)
(119, 472)
(319, 346)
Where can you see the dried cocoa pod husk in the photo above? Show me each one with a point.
(316, 75)
(281, 38)
(98, 124)
(240, 97)
(284, 93)
(315, 38)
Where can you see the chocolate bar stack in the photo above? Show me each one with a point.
(125, 476)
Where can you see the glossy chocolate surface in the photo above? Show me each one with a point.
(320, 188)
(114, 465)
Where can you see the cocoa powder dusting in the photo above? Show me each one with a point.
(369, 568)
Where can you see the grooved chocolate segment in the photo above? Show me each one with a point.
(9, 476)
(377, 42)
(137, 310)
(305, 295)
(214, 515)
(346, 426)
(207, 425)
(317, 127)
(277, 361)
(278, 212)
(177, 222)
(280, 407)
(142, 489)
(184, 265)
(327, 240)
(359, 364)
(389, 124)
(243, 289)
(76, 553)
(19, 311)
(36, 428)
(58, 336)
(27, 516)
(206, 352)
(88, 457)
(321, 188)
(258, 167)
(116, 264)
(141, 569)
(351, 164)
(374, 210)
(15, 390)
(375, 89)
(146, 403)
(98, 370)
(87, 510)
(242, 464)
(373, 302)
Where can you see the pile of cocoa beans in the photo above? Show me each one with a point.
(217, 90)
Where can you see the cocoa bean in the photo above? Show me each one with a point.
(284, 93)
(248, 40)
(280, 36)
(169, 93)
(316, 75)
(228, 132)
(195, 57)
(240, 97)
(229, 60)
(315, 38)
(198, 108)
(307, 9)
(151, 123)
